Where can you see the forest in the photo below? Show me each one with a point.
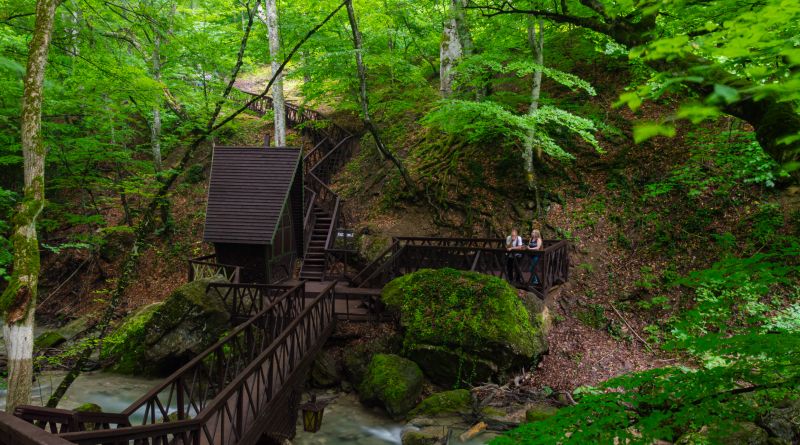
(652, 147)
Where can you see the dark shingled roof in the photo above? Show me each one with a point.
(249, 186)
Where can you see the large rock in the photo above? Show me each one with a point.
(160, 338)
(393, 382)
(463, 327)
(783, 421)
(429, 435)
(324, 372)
(356, 358)
(445, 403)
(744, 433)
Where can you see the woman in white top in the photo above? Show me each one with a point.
(536, 243)
(513, 242)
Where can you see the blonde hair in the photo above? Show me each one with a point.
(535, 234)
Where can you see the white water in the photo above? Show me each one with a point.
(346, 421)
(113, 392)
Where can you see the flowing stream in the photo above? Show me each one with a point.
(346, 420)
(113, 392)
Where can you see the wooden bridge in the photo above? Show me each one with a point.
(245, 389)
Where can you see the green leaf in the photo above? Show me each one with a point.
(645, 131)
(728, 94)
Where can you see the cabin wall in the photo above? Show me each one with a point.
(284, 253)
(296, 201)
(251, 257)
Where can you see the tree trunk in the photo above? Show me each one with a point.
(456, 44)
(19, 299)
(536, 42)
(364, 100)
(155, 128)
(278, 101)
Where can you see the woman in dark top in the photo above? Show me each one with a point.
(536, 243)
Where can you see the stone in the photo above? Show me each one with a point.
(783, 421)
(324, 372)
(89, 408)
(356, 359)
(457, 401)
(744, 433)
(429, 435)
(393, 382)
(536, 413)
(160, 338)
(48, 340)
(463, 328)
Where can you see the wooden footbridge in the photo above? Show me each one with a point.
(245, 389)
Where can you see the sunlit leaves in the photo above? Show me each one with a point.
(483, 122)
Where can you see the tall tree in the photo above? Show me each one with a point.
(155, 126)
(278, 101)
(456, 44)
(536, 42)
(364, 99)
(19, 299)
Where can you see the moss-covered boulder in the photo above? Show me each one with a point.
(457, 401)
(430, 435)
(465, 327)
(89, 408)
(49, 340)
(537, 413)
(356, 358)
(783, 421)
(744, 433)
(160, 338)
(392, 382)
(325, 372)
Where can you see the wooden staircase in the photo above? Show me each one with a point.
(314, 264)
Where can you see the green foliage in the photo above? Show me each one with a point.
(7, 200)
(717, 164)
(743, 330)
(482, 122)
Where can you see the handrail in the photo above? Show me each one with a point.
(357, 280)
(136, 405)
(15, 431)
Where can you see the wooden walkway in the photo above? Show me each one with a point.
(245, 388)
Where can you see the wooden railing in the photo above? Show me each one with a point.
(16, 431)
(204, 402)
(207, 267)
(243, 301)
(538, 270)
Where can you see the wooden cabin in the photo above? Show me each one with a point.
(255, 211)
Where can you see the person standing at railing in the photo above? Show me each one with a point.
(536, 243)
(513, 242)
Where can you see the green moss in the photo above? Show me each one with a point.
(461, 308)
(540, 412)
(476, 318)
(48, 340)
(26, 263)
(394, 381)
(457, 401)
(89, 408)
(126, 344)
